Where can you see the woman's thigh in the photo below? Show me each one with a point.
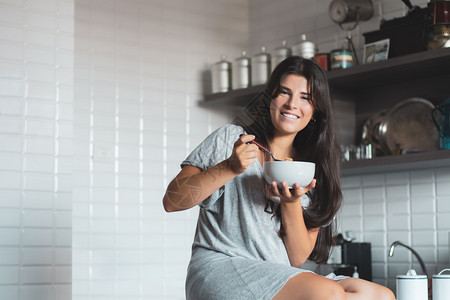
(310, 286)
(356, 288)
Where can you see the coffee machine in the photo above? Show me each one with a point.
(358, 255)
(349, 258)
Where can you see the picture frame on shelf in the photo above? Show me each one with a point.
(376, 51)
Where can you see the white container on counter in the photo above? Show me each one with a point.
(279, 54)
(241, 72)
(441, 285)
(260, 67)
(412, 286)
(221, 76)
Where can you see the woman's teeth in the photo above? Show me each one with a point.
(289, 116)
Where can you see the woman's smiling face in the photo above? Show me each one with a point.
(292, 109)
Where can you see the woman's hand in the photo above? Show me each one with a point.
(243, 155)
(290, 195)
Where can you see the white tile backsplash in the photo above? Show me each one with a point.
(409, 214)
(36, 216)
(140, 109)
(98, 106)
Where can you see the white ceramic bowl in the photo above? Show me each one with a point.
(291, 172)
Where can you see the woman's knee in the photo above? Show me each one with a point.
(385, 293)
(366, 289)
(310, 286)
(327, 289)
(332, 291)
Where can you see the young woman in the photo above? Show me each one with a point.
(252, 238)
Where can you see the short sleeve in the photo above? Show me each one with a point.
(217, 147)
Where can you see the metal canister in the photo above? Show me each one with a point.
(306, 49)
(341, 59)
(221, 76)
(323, 59)
(241, 72)
(440, 11)
(260, 67)
(279, 54)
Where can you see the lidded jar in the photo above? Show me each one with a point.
(411, 286)
(241, 72)
(441, 285)
(260, 67)
(306, 49)
(279, 54)
(221, 76)
(439, 12)
(341, 59)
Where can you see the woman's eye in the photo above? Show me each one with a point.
(284, 92)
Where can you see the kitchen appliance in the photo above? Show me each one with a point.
(279, 54)
(411, 286)
(260, 67)
(441, 285)
(408, 34)
(221, 76)
(345, 11)
(304, 48)
(440, 24)
(241, 72)
(442, 123)
(349, 258)
(358, 255)
(350, 12)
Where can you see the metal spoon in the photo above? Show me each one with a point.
(265, 150)
(262, 148)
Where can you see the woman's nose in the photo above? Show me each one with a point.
(292, 102)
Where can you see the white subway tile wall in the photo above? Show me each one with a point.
(36, 103)
(399, 206)
(98, 106)
(139, 72)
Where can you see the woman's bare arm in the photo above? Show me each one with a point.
(193, 185)
(298, 240)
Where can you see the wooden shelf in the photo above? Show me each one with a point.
(429, 64)
(433, 63)
(397, 163)
(239, 97)
(373, 87)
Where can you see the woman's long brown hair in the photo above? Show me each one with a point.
(315, 143)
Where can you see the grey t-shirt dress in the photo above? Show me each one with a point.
(237, 252)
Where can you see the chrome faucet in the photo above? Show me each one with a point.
(398, 243)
